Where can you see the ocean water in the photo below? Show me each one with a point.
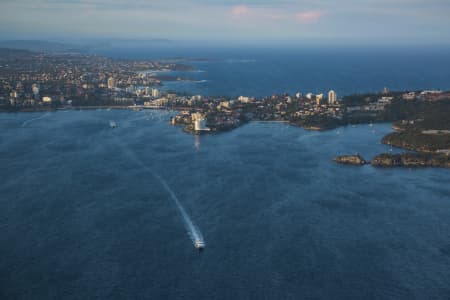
(84, 213)
(263, 71)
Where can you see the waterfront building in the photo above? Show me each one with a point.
(332, 97)
(199, 121)
(309, 96)
(47, 99)
(200, 125)
(160, 102)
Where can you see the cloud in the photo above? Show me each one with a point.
(275, 13)
(240, 10)
(230, 19)
(309, 16)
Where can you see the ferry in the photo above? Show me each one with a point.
(112, 124)
(199, 244)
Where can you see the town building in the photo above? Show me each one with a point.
(35, 89)
(156, 93)
(47, 99)
(199, 122)
(332, 97)
(319, 99)
(111, 83)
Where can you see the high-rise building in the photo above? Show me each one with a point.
(111, 83)
(332, 97)
(156, 93)
(319, 99)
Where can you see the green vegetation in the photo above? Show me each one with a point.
(418, 117)
(359, 99)
(319, 122)
(367, 98)
(416, 140)
(435, 113)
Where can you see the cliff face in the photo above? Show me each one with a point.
(386, 160)
(411, 160)
(350, 159)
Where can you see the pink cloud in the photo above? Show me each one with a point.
(309, 16)
(240, 10)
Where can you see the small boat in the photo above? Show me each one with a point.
(199, 244)
(112, 124)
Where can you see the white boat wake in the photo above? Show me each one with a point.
(192, 230)
(35, 119)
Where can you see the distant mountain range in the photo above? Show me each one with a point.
(40, 46)
(6, 53)
(77, 46)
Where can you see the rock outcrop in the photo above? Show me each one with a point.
(350, 160)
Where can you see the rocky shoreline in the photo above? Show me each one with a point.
(411, 160)
(356, 159)
(408, 160)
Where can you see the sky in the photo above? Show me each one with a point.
(309, 21)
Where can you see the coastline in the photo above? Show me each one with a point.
(426, 133)
(419, 158)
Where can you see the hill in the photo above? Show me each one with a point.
(40, 46)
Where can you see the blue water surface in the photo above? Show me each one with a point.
(266, 70)
(82, 217)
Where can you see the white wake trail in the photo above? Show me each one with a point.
(192, 230)
(35, 119)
